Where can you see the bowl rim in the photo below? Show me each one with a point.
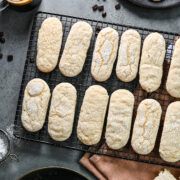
(52, 167)
(19, 3)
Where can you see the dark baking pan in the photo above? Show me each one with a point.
(55, 173)
(156, 5)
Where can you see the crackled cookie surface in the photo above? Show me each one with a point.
(173, 80)
(61, 114)
(170, 140)
(119, 118)
(75, 51)
(49, 44)
(146, 126)
(91, 118)
(128, 57)
(151, 66)
(165, 175)
(104, 54)
(35, 103)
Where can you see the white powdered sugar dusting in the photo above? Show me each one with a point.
(3, 148)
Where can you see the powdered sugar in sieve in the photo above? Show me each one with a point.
(4, 145)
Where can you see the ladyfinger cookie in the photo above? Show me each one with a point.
(75, 51)
(35, 104)
(146, 126)
(104, 54)
(92, 114)
(62, 110)
(119, 118)
(165, 175)
(49, 44)
(128, 57)
(151, 66)
(170, 140)
(173, 80)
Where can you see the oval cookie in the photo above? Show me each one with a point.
(49, 44)
(173, 80)
(104, 54)
(151, 66)
(146, 126)
(35, 104)
(128, 58)
(119, 118)
(62, 110)
(75, 51)
(170, 139)
(92, 114)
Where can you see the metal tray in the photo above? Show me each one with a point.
(83, 81)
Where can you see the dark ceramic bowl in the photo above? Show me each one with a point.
(54, 173)
(156, 5)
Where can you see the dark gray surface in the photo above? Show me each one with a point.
(16, 26)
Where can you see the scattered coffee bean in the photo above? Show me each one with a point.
(10, 57)
(31, 60)
(95, 7)
(103, 14)
(1, 34)
(117, 6)
(1, 55)
(98, 28)
(101, 8)
(2, 40)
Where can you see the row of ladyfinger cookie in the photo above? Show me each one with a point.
(105, 52)
(92, 115)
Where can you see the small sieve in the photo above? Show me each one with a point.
(3, 4)
(7, 145)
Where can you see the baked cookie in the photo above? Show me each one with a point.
(35, 104)
(92, 114)
(170, 140)
(75, 51)
(146, 126)
(119, 118)
(173, 80)
(128, 58)
(104, 54)
(62, 110)
(165, 175)
(49, 44)
(151, 66)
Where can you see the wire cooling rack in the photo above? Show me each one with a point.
(84, 80)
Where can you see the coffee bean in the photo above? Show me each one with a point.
(1, 34)
(117, 6)
(96, 33)
(98, 28)
(95, 7)
(2, 40)
(101, 8)
(1, 55)
(31, 60)
(103, 14)
(10, 57)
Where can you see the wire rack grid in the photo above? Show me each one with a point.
(84, 80)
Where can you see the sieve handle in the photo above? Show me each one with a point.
(3, 5)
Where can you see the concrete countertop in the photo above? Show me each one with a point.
(16, 26)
